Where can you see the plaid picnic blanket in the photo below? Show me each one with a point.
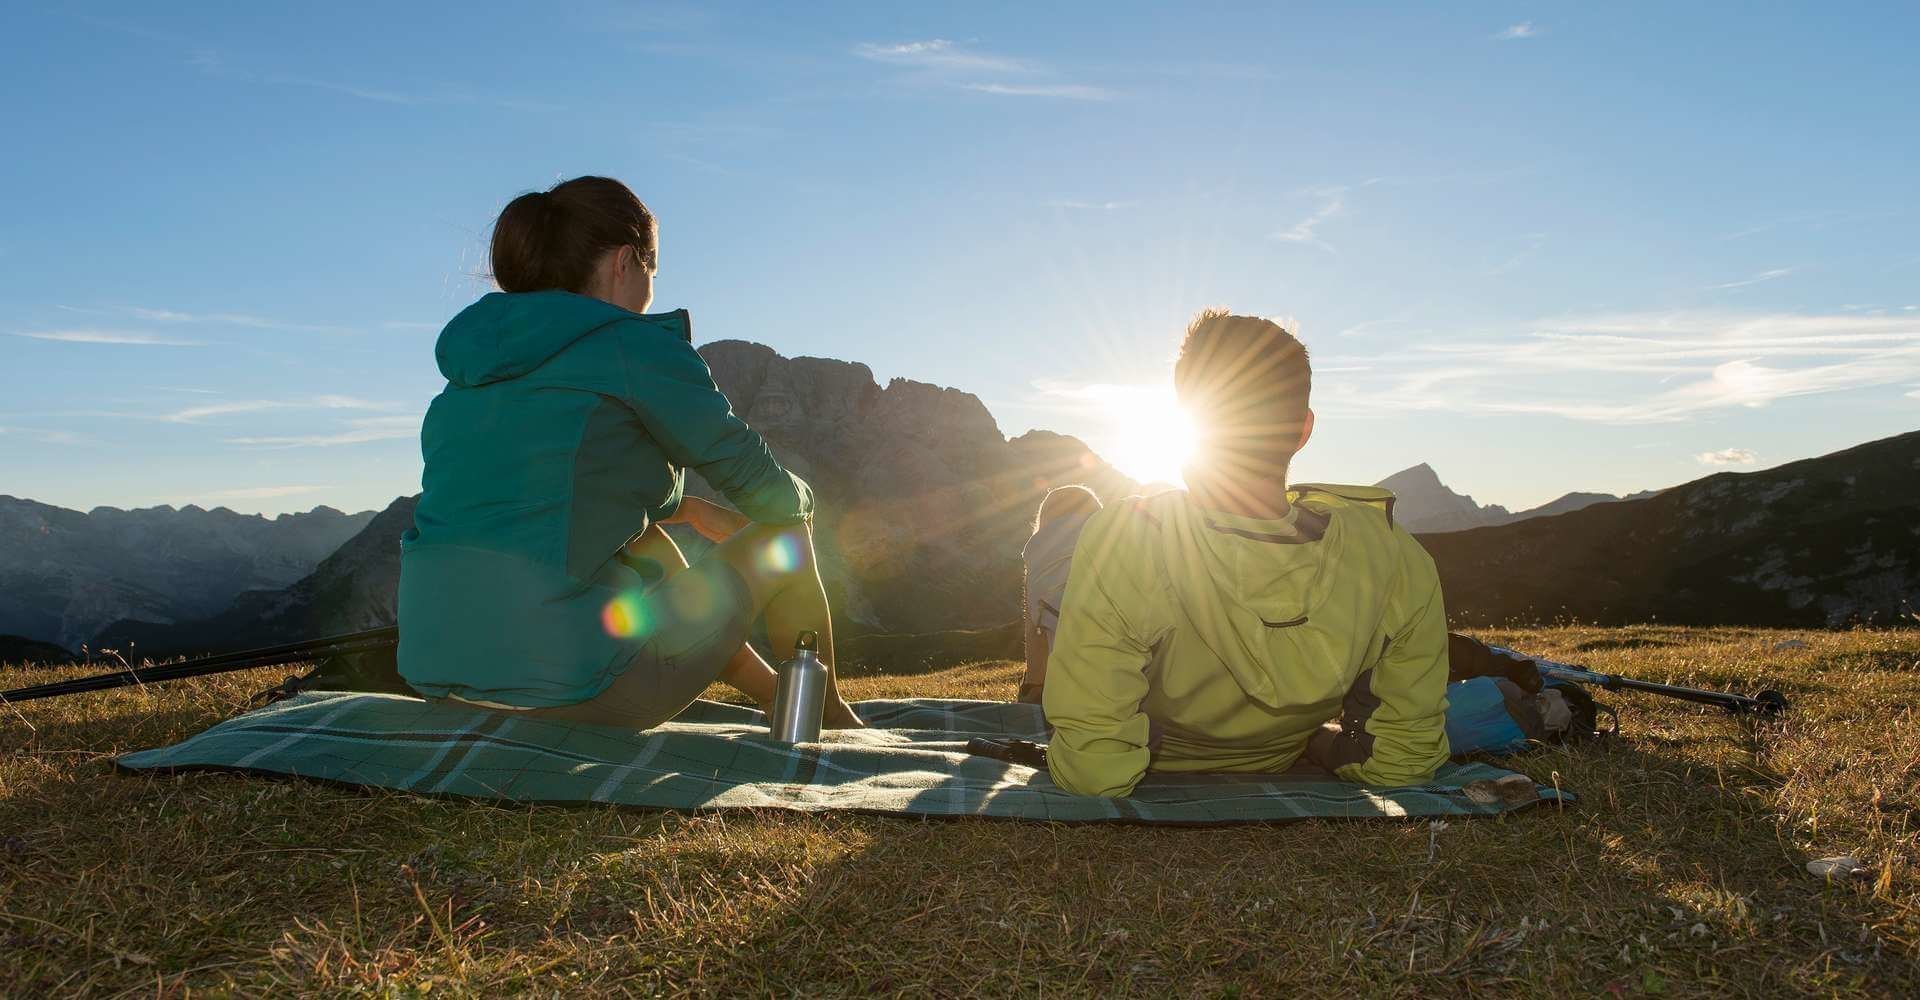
(717, 756)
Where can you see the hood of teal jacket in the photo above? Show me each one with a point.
(506, 336)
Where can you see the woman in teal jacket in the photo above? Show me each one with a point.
(536, 577)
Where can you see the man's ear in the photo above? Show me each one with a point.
(1306, 430)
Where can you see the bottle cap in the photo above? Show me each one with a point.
(808, 641)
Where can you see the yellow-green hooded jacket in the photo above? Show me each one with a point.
(1192, 640)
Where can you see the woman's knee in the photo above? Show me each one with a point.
(771, 560)
(771, 556)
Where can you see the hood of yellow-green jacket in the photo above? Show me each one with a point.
(1260, 583)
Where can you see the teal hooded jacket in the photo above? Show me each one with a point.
(565, 429)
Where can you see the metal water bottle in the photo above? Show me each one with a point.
(801, 696)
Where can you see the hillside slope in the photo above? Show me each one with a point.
(1825, 541)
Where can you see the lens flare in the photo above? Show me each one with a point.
(626, 616)
(782, 555)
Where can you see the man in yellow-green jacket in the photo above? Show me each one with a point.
(1220, 627)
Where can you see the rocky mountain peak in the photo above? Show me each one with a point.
(1426, 504)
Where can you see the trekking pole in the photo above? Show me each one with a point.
(246, 659)
(1024, 752)
(1767, 702)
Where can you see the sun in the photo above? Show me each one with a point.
(1148, 436)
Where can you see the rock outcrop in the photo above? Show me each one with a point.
(924, 505)
(1423, 503)
(65, 574)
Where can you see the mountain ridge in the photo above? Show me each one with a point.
(66, 573)
(1424, 503)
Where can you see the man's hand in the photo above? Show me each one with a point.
(712, 521)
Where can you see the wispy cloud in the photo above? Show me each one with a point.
(1066, 91)
(438, 96)
(954, 65)
(939, 53)
(351, 90)
(1073, 205)
(175, 317)
(263, 492)
(213, 62)
(1515, 32)
(1822, 219)
(197, 414)
(1727, 456)
(1529, 248)
(1307, 230)
(1640, 368)
(1778, 272)
(247, 320)
(125, 337)
(43, 435)
(358, 431)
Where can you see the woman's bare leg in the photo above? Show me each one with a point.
(777, 563)
(746, 672)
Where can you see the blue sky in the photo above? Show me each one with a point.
(1543, 247)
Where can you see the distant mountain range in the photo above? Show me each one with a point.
(1423, 503)
(64, 574)
(350, 590)
(925, 506)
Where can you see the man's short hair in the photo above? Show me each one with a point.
(1246, 382)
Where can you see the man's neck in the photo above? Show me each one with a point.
(1263, 499)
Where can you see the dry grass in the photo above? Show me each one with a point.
(1682, 874)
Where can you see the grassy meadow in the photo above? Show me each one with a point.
(1681, 873)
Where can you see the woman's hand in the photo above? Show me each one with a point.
(712, 521)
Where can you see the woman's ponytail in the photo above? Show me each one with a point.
(553, 239)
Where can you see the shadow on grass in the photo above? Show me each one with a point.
(1668, 875)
